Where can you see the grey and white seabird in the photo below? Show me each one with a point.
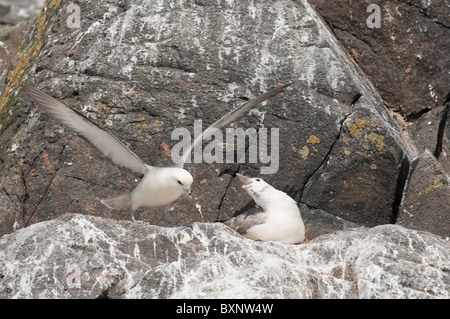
(277, 217)
(160, 186)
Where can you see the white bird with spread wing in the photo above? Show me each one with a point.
(160, 186)
(276, 219)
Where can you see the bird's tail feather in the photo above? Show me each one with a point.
(119, 202)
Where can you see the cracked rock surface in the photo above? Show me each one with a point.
(363, 141)
(142, 69)
(406, 60)
(405, 57)
(349, 152)
(78, 256)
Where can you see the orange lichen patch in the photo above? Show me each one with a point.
(376, 139)
(102, 109)
(345, 139)
(89, 208)
(374, 122)
(33, 172)
(313, 140)
(166, 149)
(48, 164)
(360, 129)
(54, 3)
(437, 183)
(141, 125)
(23, 56)
(355, 55)
(304, 152)
(15, 75)
(40, 22)
(74, 33)
(355, 127)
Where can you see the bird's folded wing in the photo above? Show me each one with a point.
(245, 221)
(232, 116)
(106, 143)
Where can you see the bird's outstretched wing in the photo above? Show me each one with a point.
(231, 117)
(106, 143)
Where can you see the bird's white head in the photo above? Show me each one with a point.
(254, 186)
(265, 195)
(182, 179)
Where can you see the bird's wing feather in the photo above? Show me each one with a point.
(106, 143)
(232, 116)
(245, 221)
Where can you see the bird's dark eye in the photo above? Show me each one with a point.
(258, 180)
(180, 183)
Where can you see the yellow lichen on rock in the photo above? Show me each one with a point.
(437, 183)
(23, 57)
(355, 127)
(54, 3)
(359, 132)
(304, 152)
(313, 140)
(102, 109)
(377, 140)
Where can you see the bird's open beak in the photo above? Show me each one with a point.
(187, 192)
(246, 181)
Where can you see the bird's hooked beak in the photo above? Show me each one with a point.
(246, 181)
(187, 192)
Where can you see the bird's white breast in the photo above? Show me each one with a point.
(154, 192)
(284, 222)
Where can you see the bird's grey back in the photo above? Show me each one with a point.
(243, 222)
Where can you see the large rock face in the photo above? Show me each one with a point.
(76, 256)
(428, 190)
(144, 68)
(403, 56)
(141, 69)
(404, 60)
